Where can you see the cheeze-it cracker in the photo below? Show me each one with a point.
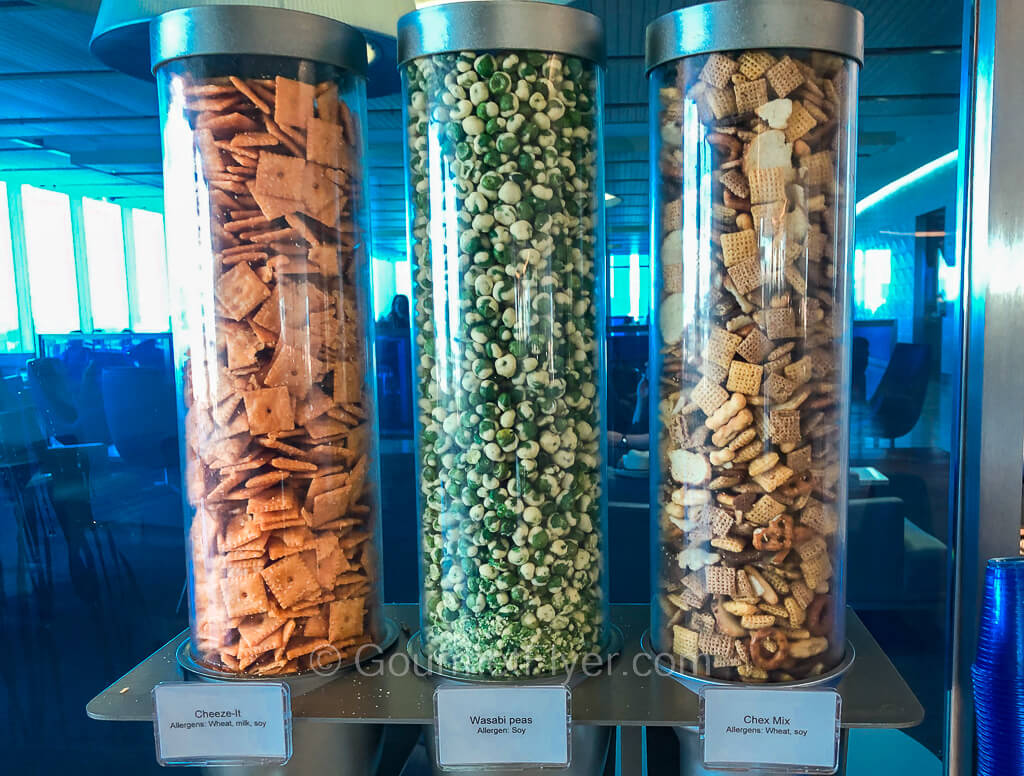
(282, 556)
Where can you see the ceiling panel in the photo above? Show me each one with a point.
(35, 38)
(109, 95)
(55, 97)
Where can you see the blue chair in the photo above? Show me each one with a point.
(142, 416)
(897, 402)
(52, 394)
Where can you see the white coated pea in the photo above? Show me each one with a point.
(521, 230)
(506, 365)
(504, 214)
(549, 442)
(476, 202)
(479, 92)
(473, 126)
(510, 193)
(483, 222)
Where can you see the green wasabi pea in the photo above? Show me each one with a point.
(508, 418)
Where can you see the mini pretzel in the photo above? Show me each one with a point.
(777, 535)
(761, 652)
(726, 412)
(820, 615)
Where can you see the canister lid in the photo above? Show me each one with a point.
(255, 30)
(730, 25)
(476, 25)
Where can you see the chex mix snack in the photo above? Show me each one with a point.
(750, 325)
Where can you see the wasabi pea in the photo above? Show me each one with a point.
(505, 222)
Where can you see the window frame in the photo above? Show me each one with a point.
(19, 264)
(27, 338)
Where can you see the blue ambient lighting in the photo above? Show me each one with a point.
(891, 188)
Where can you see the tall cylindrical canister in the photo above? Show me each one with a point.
(503, 106)
(753, 146)
(263, 119)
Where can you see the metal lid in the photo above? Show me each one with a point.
(256, 30)
(513, 24)
(732, 25)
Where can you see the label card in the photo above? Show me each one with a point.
(226, 723)
(487, 725)
(788, 731)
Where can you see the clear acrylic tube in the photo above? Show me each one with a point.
(267, 230)
(753, 153)
(507, 245)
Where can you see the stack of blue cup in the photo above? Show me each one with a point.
(998, 671)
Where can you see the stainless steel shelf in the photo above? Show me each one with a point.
(874, 693)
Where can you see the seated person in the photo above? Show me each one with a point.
(637, 435)
(396, 321)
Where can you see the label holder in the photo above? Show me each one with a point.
(827, 701)
(548, 699)
(266, 702)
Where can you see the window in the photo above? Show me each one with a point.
(104, 247)
(383, 287)
(618, 287)
(10, 333)
(51, 260)
(151, 308)
(403, 278)
(872, 270)
(391, 278)
(629, 286)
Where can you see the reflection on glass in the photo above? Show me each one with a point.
(906, 362)
(872, 274)
(634, 286)
(403, 278)
(629, 292)
(383, 286)
(51, 260)
(151, 310)
(10, 335)
(391, 279)
(104, 247)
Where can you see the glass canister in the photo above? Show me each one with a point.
(503, 109)
(263, 119)
(753, 146)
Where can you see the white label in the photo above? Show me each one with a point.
(202, 723)
(487, 725)
(790, 730)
